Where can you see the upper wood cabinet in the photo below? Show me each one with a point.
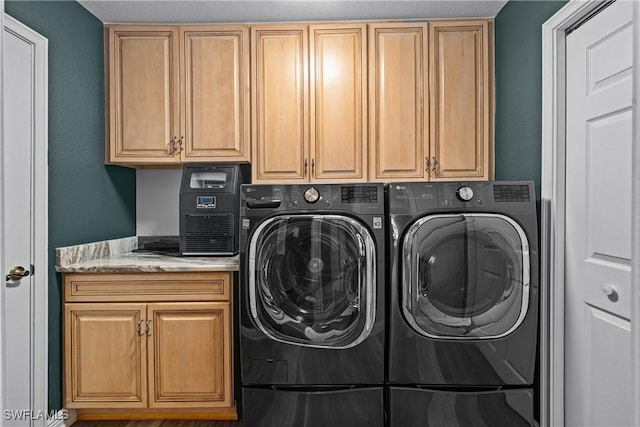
(430, 100)
(215, 77)
(398, 101)
(338, 120)
(304, 102)
(309, 102)
(280, 102)
(143, 92)
(461, 86)
(178, 94)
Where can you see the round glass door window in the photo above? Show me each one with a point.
(465, 276)
(312, 280)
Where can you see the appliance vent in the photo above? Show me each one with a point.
(210, 233)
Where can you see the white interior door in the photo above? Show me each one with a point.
(16, 174)
(23, 245)
(598, 382)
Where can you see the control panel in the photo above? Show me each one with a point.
(452, 196)
(356, 198)
(359, 194)
(206, 202)
(511, 193)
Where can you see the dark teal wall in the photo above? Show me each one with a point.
(88, 201)
(518, 40)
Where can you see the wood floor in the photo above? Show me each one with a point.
(158, 423)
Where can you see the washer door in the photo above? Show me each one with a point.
(465, 276)
(312, 280)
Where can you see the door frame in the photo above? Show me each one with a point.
(40, 217)
(2, 289)
(553, 208)
(635, 224)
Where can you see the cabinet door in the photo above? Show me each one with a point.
(280, 100)
(398, 101)
(190, 355)
(460, 92)
(215, 78)
(338, 120)
(105, 356)
(143, 94)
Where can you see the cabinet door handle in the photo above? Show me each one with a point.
(180, 144)
(147, 329)
(426, 164)
(435, 164)
(305, 168)
(172, 145)
(313, 167)
(139, 328)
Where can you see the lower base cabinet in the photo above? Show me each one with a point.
(149, 341)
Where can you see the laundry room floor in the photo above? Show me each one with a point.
(158, 423)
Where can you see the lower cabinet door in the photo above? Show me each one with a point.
(105, 353)
(189, 355)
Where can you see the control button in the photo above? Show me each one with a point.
(464, 193)
(311, 195)
(377, 223)
(295, 203)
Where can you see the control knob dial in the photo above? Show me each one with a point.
(464, 193)
(311, 195)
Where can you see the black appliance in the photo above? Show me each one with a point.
(312, 303)
(209, 201)
(463, 317)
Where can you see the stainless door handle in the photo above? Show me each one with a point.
(17, 273)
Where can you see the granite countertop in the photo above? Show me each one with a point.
(121, 256)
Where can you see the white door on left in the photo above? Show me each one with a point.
(21, 252)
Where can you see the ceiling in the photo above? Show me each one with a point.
(220, 11)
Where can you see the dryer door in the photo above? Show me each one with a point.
(465, 276)
(312, 280)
